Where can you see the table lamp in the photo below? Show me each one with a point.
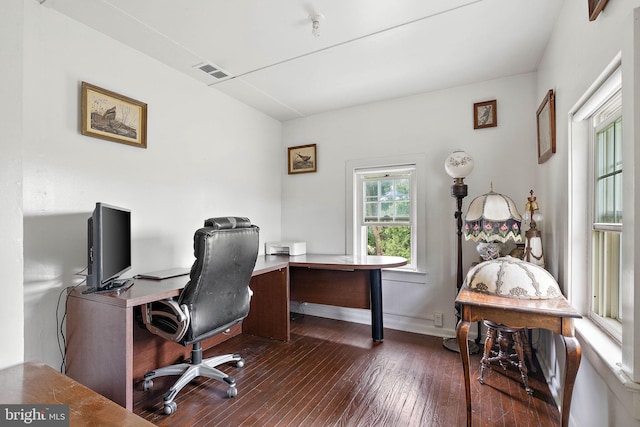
(533, 246)
(492, 219)
(459, 165)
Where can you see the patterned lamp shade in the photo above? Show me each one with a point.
(492, 217)
(512, 278)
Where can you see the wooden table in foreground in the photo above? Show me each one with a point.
(555, 315)
(34, 383)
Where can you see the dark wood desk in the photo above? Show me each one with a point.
(555, 315)
(108, 350)
(38, 384)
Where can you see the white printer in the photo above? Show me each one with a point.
(285, 248)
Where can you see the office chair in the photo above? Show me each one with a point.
(216, 297)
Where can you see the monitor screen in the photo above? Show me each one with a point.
(109, 245)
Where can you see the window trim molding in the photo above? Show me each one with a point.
(419, 161)
(600, 349)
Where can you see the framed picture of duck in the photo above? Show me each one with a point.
(302, 159)
(114, 117)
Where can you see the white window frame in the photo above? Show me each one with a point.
(354, 197)
(609, 111)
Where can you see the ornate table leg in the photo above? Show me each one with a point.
(462, 332)
(574, 353)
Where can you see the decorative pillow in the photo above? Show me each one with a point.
(512, 278)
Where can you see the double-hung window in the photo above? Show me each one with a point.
(385, 212)
(607, 216)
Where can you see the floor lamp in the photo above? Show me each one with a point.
(459, 165)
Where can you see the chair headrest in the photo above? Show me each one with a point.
(227, 222)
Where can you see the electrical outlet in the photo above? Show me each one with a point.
(437, 319)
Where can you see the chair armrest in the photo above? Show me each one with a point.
(166, 319)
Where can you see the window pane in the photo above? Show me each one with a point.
(387, 199)
(606, 248)
(389, 240)
(608, 168)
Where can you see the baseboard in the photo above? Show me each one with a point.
(391, 321)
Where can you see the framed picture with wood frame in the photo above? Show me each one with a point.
(485, 114)
(546, 119)
(114, 117)
(302, 159)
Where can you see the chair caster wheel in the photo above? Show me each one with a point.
(170, 408)
(148, 385)
(232, 392)
(240, 363)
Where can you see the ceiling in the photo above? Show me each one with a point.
(367, 51)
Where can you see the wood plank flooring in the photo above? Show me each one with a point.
(331, 374)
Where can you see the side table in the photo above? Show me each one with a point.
(555, 315)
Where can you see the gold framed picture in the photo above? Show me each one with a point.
(546, 119)
(302, 159)
(114, 117)
(485, 114)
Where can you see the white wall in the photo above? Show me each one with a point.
(207, 155)
(576, 55)
(11, 261)
(435, 124)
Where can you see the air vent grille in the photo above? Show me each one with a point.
(213, 71)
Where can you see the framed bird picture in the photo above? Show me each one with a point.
(302, 159)
(485, 114)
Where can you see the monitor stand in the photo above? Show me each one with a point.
(113, 285)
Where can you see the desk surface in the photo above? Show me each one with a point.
(148, 290)
(38, 384)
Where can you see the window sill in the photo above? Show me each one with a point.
(399, 275)
(605, 355)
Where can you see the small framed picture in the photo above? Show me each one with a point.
(546, 119)
(485, 114)
(114, 117)
(302, 159)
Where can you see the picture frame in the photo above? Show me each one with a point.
(485, 114)
(302, 159)
(112, 116)
(595, 7)
(546, 121)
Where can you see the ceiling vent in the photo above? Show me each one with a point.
(213, 71)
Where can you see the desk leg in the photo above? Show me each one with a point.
(375, 279)
(462, 333)
(574, 353)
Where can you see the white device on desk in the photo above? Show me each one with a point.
(285, 248)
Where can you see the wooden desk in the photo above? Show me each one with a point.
(555, 315)
(108, 350)
(38, 384)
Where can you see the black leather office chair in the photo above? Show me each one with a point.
(215, 298)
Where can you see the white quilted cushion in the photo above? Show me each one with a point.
(513, 278)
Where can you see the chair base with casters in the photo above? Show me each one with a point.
(506, 337)
(197, 367)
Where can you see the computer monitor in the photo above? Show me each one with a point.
(108, 247)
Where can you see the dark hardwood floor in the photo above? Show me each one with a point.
(331, 374)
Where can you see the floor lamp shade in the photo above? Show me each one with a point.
(458, 165)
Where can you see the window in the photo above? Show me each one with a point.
(607, 216)
(385, 212)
